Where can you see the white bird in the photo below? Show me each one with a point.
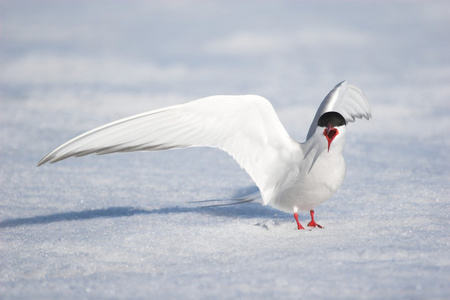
(291, 176)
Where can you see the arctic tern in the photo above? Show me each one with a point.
(291, 176)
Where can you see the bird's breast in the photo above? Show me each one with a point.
(310, 186)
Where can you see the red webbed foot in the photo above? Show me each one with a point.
(313, 223)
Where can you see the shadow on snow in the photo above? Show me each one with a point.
(243, 210)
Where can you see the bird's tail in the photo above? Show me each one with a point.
(225, 202)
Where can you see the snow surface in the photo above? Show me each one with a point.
(121, 226)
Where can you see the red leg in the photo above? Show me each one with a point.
(298, 223)
(313, 223)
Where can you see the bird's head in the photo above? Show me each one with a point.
(332, 124)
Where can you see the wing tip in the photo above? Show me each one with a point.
(44, 160)
(54, 157)
(48, 159)
(343, 82)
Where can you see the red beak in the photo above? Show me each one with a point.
(330, 133)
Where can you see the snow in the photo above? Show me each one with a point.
(122, 226)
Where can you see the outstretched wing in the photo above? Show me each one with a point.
(346, 99)
(246, 127)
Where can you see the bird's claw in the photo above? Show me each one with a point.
(313, 224)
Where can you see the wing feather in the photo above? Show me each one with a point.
(246, 127)
(346, 99)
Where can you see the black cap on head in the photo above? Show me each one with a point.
(333, 118)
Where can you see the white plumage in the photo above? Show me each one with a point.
(291, 176)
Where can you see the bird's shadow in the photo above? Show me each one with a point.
(244, 210)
